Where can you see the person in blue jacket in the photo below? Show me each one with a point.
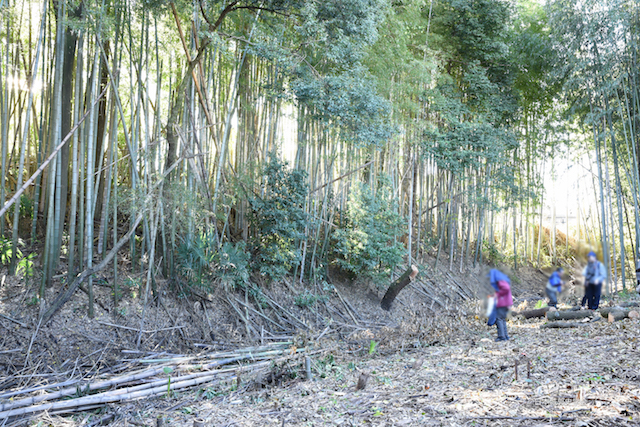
(504, 300)
(554, 287)
(594, 276)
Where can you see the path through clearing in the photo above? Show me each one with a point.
(579, 377)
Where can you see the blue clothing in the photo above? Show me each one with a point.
(594, 273)
(495, 276)
(592, 295)
(555, 281)
(501, 323)
(493, 315)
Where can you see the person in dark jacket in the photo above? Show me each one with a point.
(504, 300)
(554, 287)
(594, 276)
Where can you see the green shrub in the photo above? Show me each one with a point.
(278, 219)
(203, 264)
(367, 244)
(492, 254)
(307, 299)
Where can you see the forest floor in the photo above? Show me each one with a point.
(422, 369)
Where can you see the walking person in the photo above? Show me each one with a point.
(594, 276)
(554, 287)
(504, 300)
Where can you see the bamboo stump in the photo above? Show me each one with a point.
(362, 381)
(397, 286)
(569, 315)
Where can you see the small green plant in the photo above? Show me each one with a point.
(372, 347)
(627, 294)
(306, 299)
(540, 304)
(210, 393)
(594, 378)
(5, 251)
(168, 370)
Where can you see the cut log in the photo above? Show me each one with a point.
(529, 314)
(397, 286)
(562, 325)
(633, 314)
(604, 312)
(630, 304)
(569, 315)
(615, 315)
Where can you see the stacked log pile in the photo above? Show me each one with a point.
(576, 318)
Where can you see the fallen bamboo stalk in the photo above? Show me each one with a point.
(259, 314)
(88, 388)
(24, 325)
(139, 330)
(569, 315)
(271, 302)
(32, 389)
(345, 306)
(136, 377)
(144, 390)
(563, 325)
(100, 400)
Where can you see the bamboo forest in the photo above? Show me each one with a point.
(208, 206)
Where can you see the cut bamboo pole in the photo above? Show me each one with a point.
(569, 315)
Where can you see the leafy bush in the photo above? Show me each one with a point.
(367, 244)
(307, 299)
(278, 219)
(492, 254)
(203, 264)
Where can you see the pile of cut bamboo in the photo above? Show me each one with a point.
(165, 375)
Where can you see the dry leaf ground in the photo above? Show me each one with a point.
(442, 370)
